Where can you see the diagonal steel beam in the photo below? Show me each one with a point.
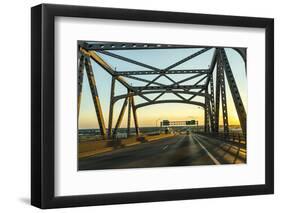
(169, 78)
(94, 92)
(188, 78)
(212, 100)
(218, 94)
(176, 64)
(187, 58)
(181, 97)
(195, 95)
(80, 81)
(211, 117)
(214, 60)
(107, 68)
(134, 109)
(129, 116)
(127, 59)
(121, 115)
(224, 104)
(154, 68)
(234, 92)
(151, 82)
(212, 65)
(206, 114)
(157, 97)
(196, 83)
(143, 80)
(111, 107)
(200, 80)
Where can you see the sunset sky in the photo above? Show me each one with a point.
(151, 115)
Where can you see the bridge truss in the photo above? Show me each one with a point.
(210, 84)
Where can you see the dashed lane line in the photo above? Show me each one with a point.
(165, 147)
(178, 141)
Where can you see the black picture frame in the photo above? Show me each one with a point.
(43, 105)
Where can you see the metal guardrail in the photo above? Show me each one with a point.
(234, 138)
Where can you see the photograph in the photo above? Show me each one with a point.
(143, 105)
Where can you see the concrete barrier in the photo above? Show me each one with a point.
(93, 147)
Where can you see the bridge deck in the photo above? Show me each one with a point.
(180, 150)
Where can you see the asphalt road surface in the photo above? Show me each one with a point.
(180, 150)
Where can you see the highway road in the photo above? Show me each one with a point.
(179, 150)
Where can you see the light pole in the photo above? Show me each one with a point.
(199, 107)
(157, 122)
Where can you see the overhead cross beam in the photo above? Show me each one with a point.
(129, 46)
(118, 97)
(171, 101)
(155, 72)
(169, 87)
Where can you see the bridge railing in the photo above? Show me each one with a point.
(232, 137)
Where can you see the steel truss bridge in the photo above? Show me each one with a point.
(220, 67)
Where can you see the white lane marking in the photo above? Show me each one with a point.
(178, 141)
(165, 147)
(208, 153)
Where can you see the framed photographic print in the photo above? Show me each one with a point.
(139, 106)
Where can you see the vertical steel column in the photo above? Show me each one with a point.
(94, 92)
(212, 108)
(119, 120)
(111, 106)
(224, 101)
(80, 82)
(235, 93)
(207, 119)
(135, 115)
(129, 115)
(218, 87)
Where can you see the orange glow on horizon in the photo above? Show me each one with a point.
(153, 115)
